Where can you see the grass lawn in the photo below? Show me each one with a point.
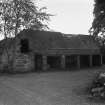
(47, 88)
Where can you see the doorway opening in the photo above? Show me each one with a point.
(54, 62)
(96, 59)
(71, 61)
(24, 48)
(84, 61)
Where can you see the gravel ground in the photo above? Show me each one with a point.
(48, 88)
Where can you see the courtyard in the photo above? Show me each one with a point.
(47, 88)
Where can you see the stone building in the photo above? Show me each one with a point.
(45, 50)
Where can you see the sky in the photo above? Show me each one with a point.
(70, 16)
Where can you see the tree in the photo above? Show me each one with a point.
(16, 15)
(98, 25)
(19, 14)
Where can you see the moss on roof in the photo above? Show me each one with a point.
(43, 41)
(58, 40)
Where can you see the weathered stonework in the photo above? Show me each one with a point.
(44, 50)
(23, 63)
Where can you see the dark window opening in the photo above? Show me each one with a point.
(96, 60)
(103, 59)
(84, 61)
(71, 61)
(54, 61)
(24, 46)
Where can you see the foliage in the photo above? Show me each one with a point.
(98, 25)
(97, 88)
(16, 15)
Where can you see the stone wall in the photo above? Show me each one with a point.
(23, 63)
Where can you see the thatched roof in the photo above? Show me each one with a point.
(58, 43)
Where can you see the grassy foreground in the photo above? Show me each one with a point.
(48, 88)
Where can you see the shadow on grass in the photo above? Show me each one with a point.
(97, 100)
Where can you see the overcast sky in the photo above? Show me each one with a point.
(71, 16)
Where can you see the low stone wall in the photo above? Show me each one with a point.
(23, 63)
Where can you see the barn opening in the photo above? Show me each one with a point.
(96, 60)
(24, 48)
(103, 59)
(54, 61)
(38, 62)
(84, 61)
(71, 61)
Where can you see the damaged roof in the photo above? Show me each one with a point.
(58, 43)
